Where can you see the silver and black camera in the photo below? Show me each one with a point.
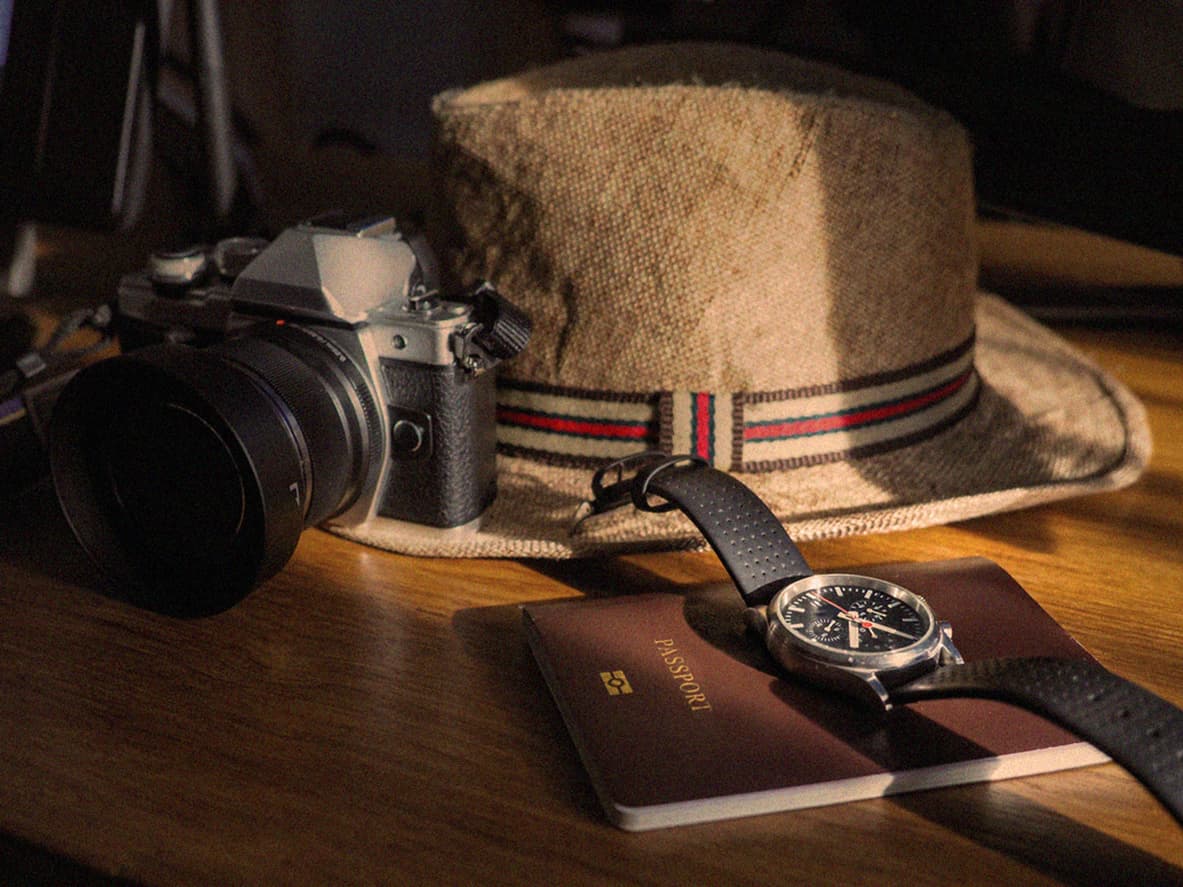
(268, 387)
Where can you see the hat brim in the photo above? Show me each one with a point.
(1048, 424)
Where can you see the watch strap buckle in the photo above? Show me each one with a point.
(627, 480)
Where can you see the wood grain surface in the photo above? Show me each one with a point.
(371, 718)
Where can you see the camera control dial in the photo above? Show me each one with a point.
(182, 267)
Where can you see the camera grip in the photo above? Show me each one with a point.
(454, 481)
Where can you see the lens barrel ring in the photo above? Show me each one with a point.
(309, 372)
(321, 428)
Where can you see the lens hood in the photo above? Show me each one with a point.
(183, 476)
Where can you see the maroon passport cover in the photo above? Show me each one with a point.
(680, 716)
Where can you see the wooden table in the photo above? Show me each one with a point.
(371, 718)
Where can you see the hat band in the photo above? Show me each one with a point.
(739, 431)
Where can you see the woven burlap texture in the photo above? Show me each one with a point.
(720, 210)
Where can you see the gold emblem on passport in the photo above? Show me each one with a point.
(616, 683)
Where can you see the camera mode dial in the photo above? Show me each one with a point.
(183, 267)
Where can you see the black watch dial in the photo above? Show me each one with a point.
(855, 618)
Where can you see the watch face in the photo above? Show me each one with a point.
(853, 618)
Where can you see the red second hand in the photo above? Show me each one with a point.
(863, 622)
(817, 594)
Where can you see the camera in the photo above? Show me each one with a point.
(266, 387)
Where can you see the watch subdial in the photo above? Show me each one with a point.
(827, 629)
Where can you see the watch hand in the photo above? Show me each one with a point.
(845, 613)
(826, 600)
(855, 618)
(853, 636)
(873, 626)
(863, 623)
(897, 632)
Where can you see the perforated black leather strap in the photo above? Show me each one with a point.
(1137, 729)
(746, 535)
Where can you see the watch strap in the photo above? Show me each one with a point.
(1137, 729)
(748, 538)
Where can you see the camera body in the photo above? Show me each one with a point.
(271, 386)
(372, 292)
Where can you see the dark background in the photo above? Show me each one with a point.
(1075, 109)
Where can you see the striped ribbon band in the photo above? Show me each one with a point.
(742, 431)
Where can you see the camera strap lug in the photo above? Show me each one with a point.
(497, 332)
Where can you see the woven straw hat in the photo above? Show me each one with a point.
(764, 261)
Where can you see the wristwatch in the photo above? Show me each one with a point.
(882, 644)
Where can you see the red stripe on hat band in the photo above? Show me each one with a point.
(571, 426)
(843, 420)
(703, 424)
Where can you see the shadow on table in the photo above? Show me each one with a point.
(31, 866)
(34, 535)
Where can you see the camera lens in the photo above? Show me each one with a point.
(188, 474)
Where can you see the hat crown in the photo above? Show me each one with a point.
(713, 218)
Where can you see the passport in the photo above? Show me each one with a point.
(680, 715)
